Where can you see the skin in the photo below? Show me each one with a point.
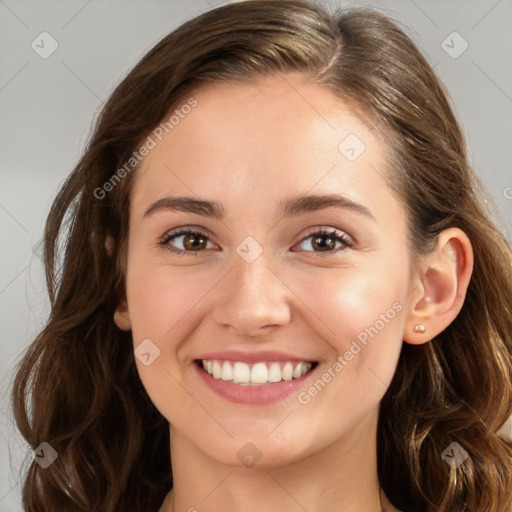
(249, 147)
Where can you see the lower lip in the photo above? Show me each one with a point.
(253, 395)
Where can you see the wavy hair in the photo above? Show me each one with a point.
(76, 387)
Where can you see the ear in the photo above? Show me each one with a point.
(121, 314)
(440, 287)
(109, 245)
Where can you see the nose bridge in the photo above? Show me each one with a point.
(254, 296)
(254, 278)
(254, 282)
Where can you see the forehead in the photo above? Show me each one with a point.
(280, 135)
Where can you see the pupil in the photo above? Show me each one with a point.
(322, 244)
(196, 237)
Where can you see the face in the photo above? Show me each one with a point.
(262, 287)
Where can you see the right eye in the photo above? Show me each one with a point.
(193, 242)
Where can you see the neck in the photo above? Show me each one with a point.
(343, 476)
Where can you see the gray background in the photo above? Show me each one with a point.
(47, 106)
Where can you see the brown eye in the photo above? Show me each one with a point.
(324, 243)
(193, 242)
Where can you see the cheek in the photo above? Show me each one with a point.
(160, 298)
(360, 315)
(348, 303)
(362, 319)
(161, 302)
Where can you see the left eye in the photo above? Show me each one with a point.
(195, 241)
(327, 240)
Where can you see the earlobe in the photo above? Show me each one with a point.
(122, 316)
(109, 245)
(442, 287)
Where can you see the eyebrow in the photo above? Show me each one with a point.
(293, 206)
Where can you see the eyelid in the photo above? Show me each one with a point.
(347, 241)
(183, 231)
(326, 229)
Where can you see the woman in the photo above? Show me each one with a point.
(340, 337)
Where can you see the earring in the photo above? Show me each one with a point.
(419, 328)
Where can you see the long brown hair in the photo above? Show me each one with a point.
(77, 387)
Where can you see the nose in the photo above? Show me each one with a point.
(253, 300)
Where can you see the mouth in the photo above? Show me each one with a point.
(259, 373)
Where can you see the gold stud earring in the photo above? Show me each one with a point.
(419, 328)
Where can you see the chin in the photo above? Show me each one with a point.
(262, 452)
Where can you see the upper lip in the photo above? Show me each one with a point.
(253, 357)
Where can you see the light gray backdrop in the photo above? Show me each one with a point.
(48, 100)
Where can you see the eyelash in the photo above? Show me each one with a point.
(339, 236)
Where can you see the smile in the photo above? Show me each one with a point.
(256, 374)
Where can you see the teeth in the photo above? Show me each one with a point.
(259, 373)
(227, 371)
(256, 374)
(287, 373)
(241, 373)
(216, 370)
(274, 373)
